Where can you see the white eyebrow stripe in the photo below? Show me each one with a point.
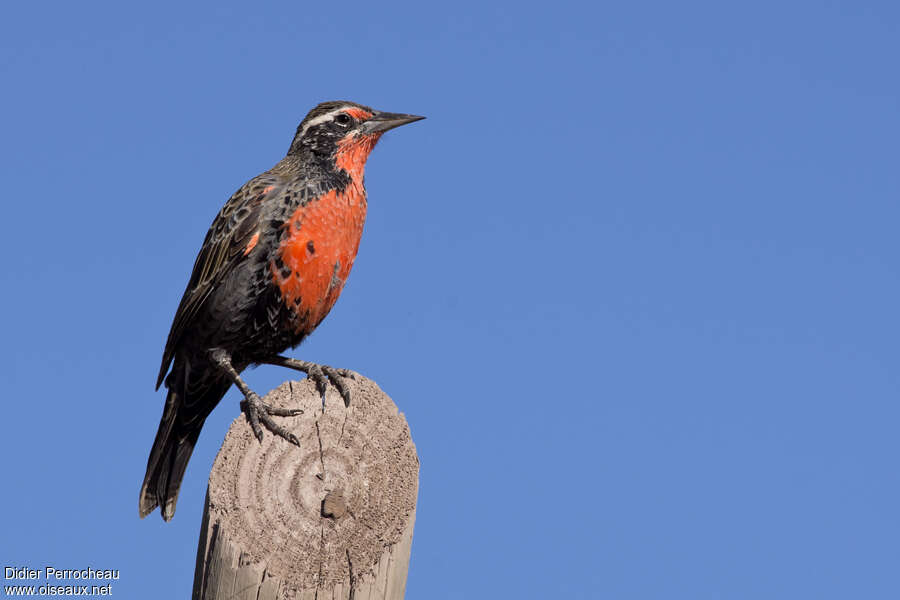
(323, 118)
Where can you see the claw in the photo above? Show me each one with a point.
(317, 375)
(258, 412)
(337, 380)
(253, 418)
(284, 412)
(320, 375)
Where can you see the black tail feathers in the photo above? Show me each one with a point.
(178, 431)
(167, 463)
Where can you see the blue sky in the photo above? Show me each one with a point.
(634, 282)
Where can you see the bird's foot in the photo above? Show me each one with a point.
(321, 375)
(258, 412)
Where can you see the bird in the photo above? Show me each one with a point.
(271, 267)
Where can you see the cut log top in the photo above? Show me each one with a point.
(333, 517)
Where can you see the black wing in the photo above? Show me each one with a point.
(223, 248)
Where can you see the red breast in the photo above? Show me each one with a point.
(323, 238)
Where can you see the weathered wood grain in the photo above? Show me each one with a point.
(331, 519)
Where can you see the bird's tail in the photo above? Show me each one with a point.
(179, 428)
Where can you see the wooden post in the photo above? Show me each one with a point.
(330, 519)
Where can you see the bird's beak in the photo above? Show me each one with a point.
(383, 121)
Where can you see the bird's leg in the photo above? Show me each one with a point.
(257, 411)
(319, 374)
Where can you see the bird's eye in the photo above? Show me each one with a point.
(343, 119)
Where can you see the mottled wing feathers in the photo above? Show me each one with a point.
(225, 245)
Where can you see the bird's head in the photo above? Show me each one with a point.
(345, 132)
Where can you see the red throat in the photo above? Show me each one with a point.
(352, 153)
